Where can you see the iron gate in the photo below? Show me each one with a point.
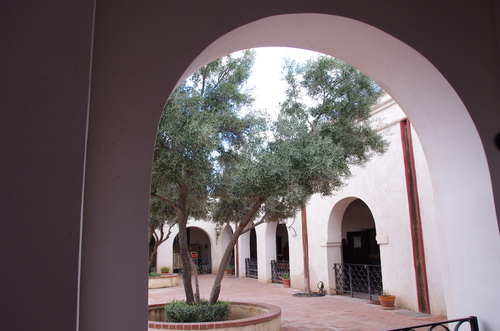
(358, 278)
(471, 321)
(278, 268)
(251, 269)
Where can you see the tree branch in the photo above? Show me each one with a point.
(167, 201)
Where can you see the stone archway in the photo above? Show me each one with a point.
(425, 96)
(114, 148)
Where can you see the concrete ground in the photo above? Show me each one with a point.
(338, 313)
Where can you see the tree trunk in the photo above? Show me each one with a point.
(196, 283)
(152, 258)
(185, 257)
(158, 241)
(214, 295)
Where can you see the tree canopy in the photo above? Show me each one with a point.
(212, 162)
(323, 128)
(200, 131)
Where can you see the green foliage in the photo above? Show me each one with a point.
(154, 274)
(322, 130)
(212, 162)
(165, 269)
(201, 130)
(181, 312)
(285, 275)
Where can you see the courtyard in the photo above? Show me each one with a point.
(338, 312)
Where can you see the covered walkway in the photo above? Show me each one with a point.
(339, 313)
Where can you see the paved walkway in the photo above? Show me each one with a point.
(338, 313)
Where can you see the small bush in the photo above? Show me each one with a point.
(179, 311)
(154, 274)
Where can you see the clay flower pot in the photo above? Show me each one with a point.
(387, 301)
(286, 282)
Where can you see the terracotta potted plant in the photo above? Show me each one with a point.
(286, 279)
(387, 300)
(165, 270)
(229, 270)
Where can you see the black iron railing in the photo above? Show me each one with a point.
(445, 325)
(278, 268)
(358, 278)
(251, 269)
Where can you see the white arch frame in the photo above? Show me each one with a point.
(435, 110)
(449, 138)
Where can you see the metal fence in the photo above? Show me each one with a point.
(358, 278)
(278, 268)
(444, 325)
(251, 269)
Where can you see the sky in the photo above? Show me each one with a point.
(269, 89)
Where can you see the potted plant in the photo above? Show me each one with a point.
(386, 300)
(229, 270)
(286, 279)
(165, 270)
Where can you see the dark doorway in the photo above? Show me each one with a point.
(199, 247)
(362, 248)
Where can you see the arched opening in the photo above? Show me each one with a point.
(251, 265)
(359, 245)
(414, 82)
(253, 244)
(281, 265)
(282, 248)
(360, 272)
(402, 72)
(200, 248)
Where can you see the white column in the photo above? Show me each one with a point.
(243, 252)
(266, 250)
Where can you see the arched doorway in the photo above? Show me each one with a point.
(360, 272)
(352, 250)
(359, 245)
(251, 265)
(281, 265)
(117, 121)
(253, 244)
(200, 248)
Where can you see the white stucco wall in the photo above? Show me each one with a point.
(381, 185)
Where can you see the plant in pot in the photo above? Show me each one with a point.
(286, 279)
(165, 270)
(229, 270)
(386, 300)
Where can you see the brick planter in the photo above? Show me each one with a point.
(167, 280)
(244, 317)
